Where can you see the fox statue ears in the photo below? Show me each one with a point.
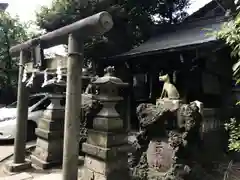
(161, 73)
(172, 78)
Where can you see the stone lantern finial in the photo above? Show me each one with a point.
(109, 79)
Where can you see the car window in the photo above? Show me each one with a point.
(32, 100)
(13, 105)
(43, 105)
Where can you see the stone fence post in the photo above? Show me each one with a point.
(106, 147)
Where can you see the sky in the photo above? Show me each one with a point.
(196, 4)
(25, 9)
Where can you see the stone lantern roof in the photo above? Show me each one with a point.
(3, 6)
(109, 78)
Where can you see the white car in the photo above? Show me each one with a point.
(37, 104)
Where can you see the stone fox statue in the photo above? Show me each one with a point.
(169, 90)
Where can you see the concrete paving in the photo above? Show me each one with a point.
(7, 149)
(36, 176)
(56, 176)
(21, 176)
(27, 176)
(6, 152)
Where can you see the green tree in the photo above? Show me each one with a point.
(133, 20)
(230, 33)
(12, 32)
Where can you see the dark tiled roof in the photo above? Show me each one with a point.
(178, 36)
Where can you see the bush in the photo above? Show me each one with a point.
(233, 127)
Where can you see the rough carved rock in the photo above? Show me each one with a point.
(169, 138)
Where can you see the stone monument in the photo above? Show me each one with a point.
(169, 137)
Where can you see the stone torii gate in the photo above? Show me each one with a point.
(73, 35)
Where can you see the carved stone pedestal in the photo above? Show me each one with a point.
(106, 147)
(170, 104)
(49, 149)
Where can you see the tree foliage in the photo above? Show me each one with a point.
(234, 134)
(230, 33)
(12, 32)
(133, 20)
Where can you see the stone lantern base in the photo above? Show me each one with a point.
(106, 151)
(106, 160)
(49, 148)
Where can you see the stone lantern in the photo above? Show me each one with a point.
(108, 117)
(49, 147)
(106, 147)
